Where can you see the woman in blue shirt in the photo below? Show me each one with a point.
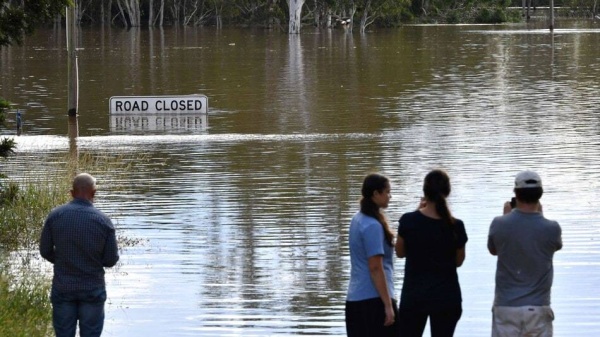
(433, 242)
(371, 309)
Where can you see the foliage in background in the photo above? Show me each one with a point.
(16, 20)
(19, 18)
(583, 8)
(4, 106)
(7, 148)
(7, 145)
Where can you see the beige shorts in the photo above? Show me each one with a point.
(526, 321)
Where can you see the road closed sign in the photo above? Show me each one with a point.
(196, 104)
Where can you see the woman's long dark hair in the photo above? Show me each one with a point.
(375, 182)
(436, 188)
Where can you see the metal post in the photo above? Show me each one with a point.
(551, 15)
(73, 79)
(72, 62)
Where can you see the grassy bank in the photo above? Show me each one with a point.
(25, 309)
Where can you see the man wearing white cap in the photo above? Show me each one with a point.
(525, 243)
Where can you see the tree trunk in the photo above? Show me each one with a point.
(161, 14)
(365, 17)
(150, 13)
(134, 12)
(295, 16)
(107, 17)
(351, 16)
(123, 17)
(219, 14)
(132, 9)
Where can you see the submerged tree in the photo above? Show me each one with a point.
(295, 15)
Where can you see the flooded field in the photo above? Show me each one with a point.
(243, 214)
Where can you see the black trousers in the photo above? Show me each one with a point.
(366, 318)
(442, 322)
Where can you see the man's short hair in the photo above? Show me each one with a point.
(528, 187)
(84, 182)
(529, 195)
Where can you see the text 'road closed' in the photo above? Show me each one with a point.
(197, 104)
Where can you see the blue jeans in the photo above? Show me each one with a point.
(87, 307)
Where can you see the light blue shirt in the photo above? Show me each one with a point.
(367, 239)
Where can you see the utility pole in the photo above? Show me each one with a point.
(551, 15)
(73, 80)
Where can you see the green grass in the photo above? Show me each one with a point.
(25, 308)
(22, 214)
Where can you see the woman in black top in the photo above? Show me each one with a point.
(433, 242)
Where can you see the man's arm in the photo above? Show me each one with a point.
(46, 243)
(491, 247)
(110, 255)
(490, 243)
(559, 243)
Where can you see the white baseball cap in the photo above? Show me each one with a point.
(528, 179)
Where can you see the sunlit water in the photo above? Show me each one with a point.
(244, 221)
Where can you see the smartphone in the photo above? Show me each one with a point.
(513, 202)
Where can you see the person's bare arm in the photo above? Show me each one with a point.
(378, 276)
(400, 252)
(460, 256)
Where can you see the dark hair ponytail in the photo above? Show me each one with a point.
(436, 188)
(375, 182)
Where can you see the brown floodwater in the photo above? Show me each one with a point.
(243, 215)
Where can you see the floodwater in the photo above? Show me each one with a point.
(243, 217)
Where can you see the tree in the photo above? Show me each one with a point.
(295, 15)
(130, 9)
(372, 10)
(21, 17)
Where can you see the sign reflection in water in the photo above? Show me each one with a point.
(245, 223)
(158, 122)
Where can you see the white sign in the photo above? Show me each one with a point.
(164, 122)
(197, 104)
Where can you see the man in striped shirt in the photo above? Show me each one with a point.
(80, 241)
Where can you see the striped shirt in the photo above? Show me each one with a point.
(80, 241)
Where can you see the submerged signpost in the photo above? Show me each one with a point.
(73, 81)
(158, 113)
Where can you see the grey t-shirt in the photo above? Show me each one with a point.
(525, 244)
